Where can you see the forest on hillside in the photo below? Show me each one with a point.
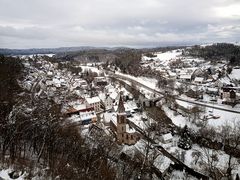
(219, 51)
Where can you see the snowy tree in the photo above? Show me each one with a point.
(185, 141)
(230, 135)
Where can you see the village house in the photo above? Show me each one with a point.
(114, 96)
(49, 74)
(198, 80)
(167, 138)
(106, 101)
(212, 91)
(87, 116)
(171, 74)
(118, 123)
(82, 114)
(228, 95)
(107, 117)
(100, 81)
(83, 83)
(94, 102)
(185, 77)
(199, 72)
(79, 84)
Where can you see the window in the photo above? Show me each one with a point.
(122, 119)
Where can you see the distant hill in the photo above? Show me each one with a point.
(45, 50)
(76, 50)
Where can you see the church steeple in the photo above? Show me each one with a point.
(120, 108)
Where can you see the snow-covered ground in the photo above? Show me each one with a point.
(4, 175)
(235, 74)
(150, 82)
(190, 158)
(222, 117)
(178, 119)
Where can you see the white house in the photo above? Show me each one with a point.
(56, 82)
(94, 102)
(186, 77)
(106, 100)
(114, 96)
(198, 80)
(167, 138)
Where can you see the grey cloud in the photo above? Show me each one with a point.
(54, 23)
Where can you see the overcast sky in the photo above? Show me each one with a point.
(136, 23)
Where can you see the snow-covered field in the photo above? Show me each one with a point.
(31, 56)
(235, 74)
(166, 56)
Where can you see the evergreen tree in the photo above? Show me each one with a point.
(185, 141)
(237, 177)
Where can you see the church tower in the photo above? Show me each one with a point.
(121, 120)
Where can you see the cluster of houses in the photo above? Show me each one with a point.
(85, 111)
(214, 79)
(46, 80)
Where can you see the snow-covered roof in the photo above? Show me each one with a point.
(114, 95)
(185, 76)
(130, 129)
(235, 74)
(49, 73)
(199, 79)
(87, 115)
(102, 96)
(56, 81)
(100, 78)
(80, 106)
(167, 136)
(114, 119)
(108, 116)
(170, 73)
(131, 105)
(93, 100)
(209, 80)
(212, 89)
(225, 80)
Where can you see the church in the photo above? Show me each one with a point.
(124, 132)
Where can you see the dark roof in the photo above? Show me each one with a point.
(73, 110)
(120, 108)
